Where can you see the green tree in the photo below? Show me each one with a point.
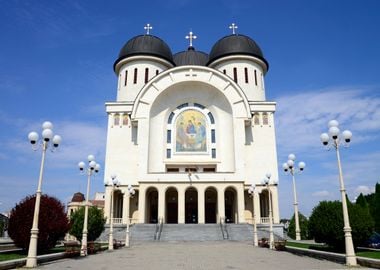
(361, 200)
(2, 225)
(52, 223)
(95, 225)
(303, 226)
(376, 208)
(326, 224)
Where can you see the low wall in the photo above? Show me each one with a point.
(331, 256)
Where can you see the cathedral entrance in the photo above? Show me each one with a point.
(191, 205)
(230, 205)
(151, 205)
(211, 197)
(171, 199)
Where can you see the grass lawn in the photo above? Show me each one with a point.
(11, 256)
(369, 254)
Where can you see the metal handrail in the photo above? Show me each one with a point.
(158, 230)
(223, 228)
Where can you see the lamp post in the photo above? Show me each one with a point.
(252, 192)
(130, 193)
(290, 167)
(333, 139)
(268, 183)
(91, 169)
(47, 140)
(114, 183)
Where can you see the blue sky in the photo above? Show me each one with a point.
(56, 62)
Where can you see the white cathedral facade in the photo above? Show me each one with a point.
(191, 132)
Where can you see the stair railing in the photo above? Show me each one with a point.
(158, 230)
(223, 227)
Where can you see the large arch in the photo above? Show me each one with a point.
(211, 205)
(264, 205)
(151, 205)
(171, 204)
(231, 205)
(191, 205)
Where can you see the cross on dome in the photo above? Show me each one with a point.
(233, 26)
(148, 27)
(190, 37)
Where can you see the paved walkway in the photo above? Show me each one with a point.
(193, 255)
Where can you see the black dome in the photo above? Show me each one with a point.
(190, 57)
(236, 44)
(145, 45)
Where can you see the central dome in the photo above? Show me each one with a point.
(145, 45)
(190, 57)
(234, 45)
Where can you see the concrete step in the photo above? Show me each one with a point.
(191, 232)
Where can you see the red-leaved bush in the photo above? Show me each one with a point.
(52, 225)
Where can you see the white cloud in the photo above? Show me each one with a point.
(321, 193)
(364, 189)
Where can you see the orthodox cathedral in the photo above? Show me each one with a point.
(191, 133)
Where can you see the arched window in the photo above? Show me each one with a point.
(255, 73)
(256, 119)
(125, 119)
(135, 76)
(246, 74)
(191, 130)
(235, 74)
(146, 75)
(265, 118)
(126, 78)
(116, 119)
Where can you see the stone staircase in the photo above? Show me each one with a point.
(191, 232)
(140, 233)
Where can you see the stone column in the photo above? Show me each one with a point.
(240, 204)
(161, 203)
(181, 205)
(201, 205)
(221, 204)
(142, 194)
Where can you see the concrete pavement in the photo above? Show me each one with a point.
(193, 255)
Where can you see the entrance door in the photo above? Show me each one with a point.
(211, 205)
(230, 205)
(151, 205)
(172, 213)
(210, 213)
(191, 206)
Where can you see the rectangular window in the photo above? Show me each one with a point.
(168, 153)
(126, 78)
(157, 71)
(208, 169)
(246, 74)
(172, 170)
(255, 78)
(183, 105)
(212, 135)
(224, 71)
(135, 76)
(199, 106)
(125, 119)
(213, 153)
(146, 75)
(169, 136)
(235, 75)
(170, 117)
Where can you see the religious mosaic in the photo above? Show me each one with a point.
(191, 135)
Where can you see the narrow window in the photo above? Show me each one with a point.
(135, 76)
(213, 153)
(157, 71)
(224, 71)
(208, 169)
(265, 118)
(168, 153)
(256, 119)
(246, 74)
(146, 75)
(183, 105)
(211, 118)
(235, 75)
(212, 135)
(255, 77)
(126, 78)
(199, 106)
(172, 170)
(170, 117)
(125, 119)
(169, 136)
(116, 119)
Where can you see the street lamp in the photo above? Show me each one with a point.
(268, 183)
(47, 140)
(114, 183)
(91, 169)
(130, 193)
(290, 167)
(252, 193)
(334, 139)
